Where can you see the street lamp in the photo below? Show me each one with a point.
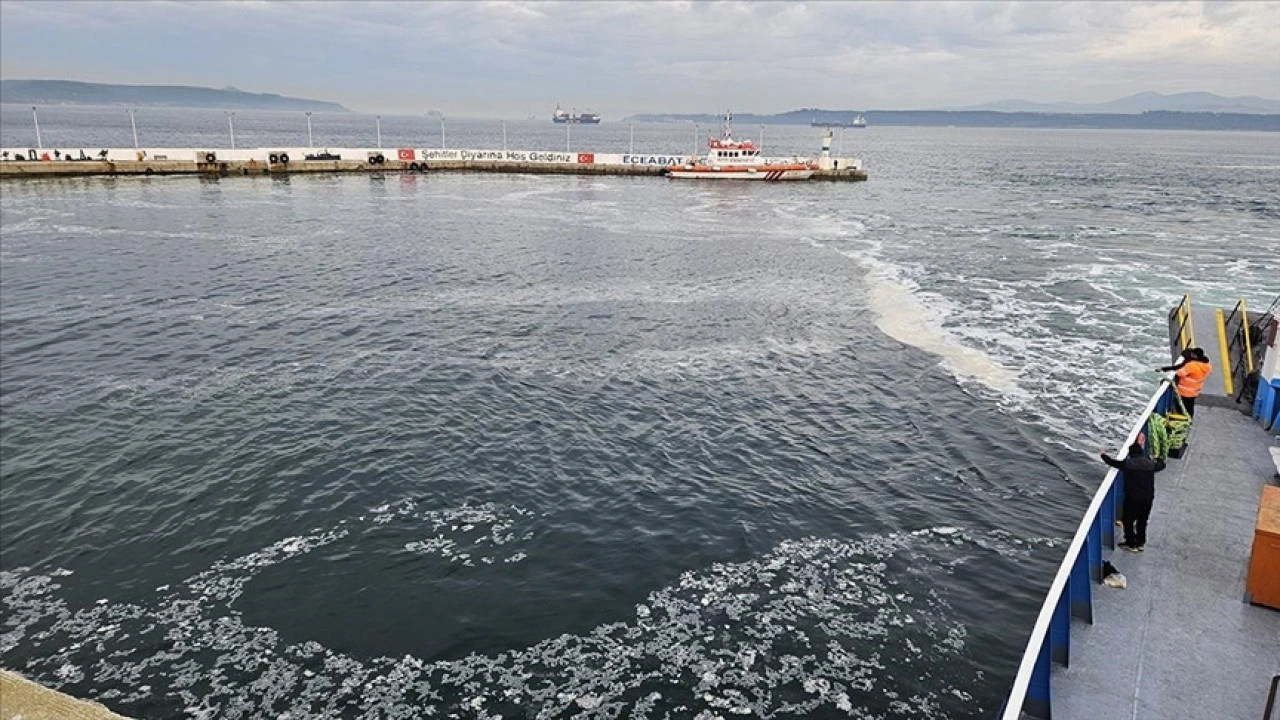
(632, 147)
(568, 124)
(504, 136)
(378, 119)
(133, 123)
(441, 131)
(762, 137)
(231, 127)
(309, 143)
(696, 130)
(36, 118)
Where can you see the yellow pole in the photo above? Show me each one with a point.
(1222, 345)
(1182, 328)
(1244, 323)
(1191, 324)
(1184, 321)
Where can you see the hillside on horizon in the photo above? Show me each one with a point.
(70, 92)
(1144, 102)
(1151, 120)
(1145, 110)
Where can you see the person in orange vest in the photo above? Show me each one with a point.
(1190, 372)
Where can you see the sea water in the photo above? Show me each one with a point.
(479, 446)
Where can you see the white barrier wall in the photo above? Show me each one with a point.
(422, 155)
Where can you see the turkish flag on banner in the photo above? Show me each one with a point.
(405, 153)
(586, 158)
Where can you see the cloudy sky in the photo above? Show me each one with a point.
(512, 59)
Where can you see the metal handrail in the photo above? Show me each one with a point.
(1180, 315)
(1035, 665)
(1241, 346)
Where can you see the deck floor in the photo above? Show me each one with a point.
(1180, 643)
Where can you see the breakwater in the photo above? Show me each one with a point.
(28, 162)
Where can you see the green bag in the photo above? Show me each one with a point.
(1167, 434)
(1157, 437)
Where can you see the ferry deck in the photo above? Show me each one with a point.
(1182, 641)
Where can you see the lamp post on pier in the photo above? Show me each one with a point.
(504, 136)
(231, 127)
(377, 119)
(696, 130)
(309, 143)
(134, 124)
(632, 146)
(441, 131)
(762, 137)
(568, 124)
(36, 119)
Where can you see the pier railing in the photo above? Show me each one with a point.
(1071, 593)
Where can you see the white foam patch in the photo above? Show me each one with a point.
(813, 626)
(902, 316)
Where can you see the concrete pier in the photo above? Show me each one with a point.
(259, 161)
(21, 698)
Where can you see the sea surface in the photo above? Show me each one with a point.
(482, 446)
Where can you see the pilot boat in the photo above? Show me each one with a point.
(730, 159)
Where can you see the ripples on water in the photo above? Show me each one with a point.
(583, 447)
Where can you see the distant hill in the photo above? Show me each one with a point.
(66, 92)
(1153, 120)
(1145, 102)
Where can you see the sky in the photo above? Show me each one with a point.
(512, 59)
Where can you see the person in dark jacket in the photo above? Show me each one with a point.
(1139, 492)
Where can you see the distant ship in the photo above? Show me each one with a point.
(858, 122)
(562, 117)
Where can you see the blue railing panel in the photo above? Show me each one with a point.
(1088, 568)
(1038, 692)
(1060, 630)
(1109, 515)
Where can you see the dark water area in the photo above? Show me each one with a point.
(522, 446)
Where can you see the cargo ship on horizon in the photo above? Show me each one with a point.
(858, 122)
(563, 117)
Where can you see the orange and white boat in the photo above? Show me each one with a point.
(729, 159)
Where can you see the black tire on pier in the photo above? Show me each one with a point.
(210, 157)
(284, 158)
(273, 158)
